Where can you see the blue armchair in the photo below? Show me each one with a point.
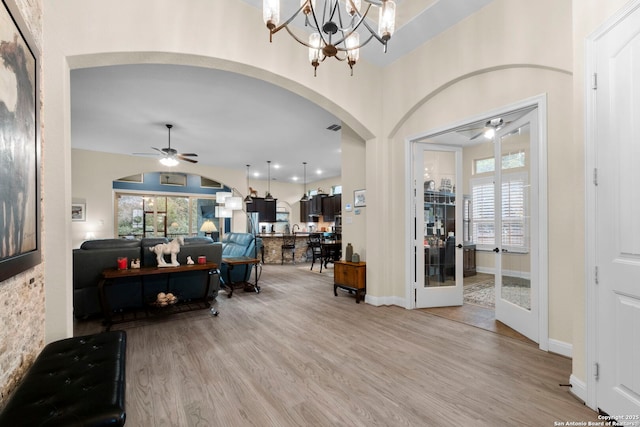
(238, 245)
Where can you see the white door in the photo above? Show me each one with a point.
(437, 230)
(617, 220)
(516, 193)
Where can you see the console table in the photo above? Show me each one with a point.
(247, 262)
(351, 276)
(111, 275)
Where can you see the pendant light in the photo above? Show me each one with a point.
(268, 196)
(305, 198)
(248, 199)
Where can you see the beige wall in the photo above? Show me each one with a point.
(509, 51)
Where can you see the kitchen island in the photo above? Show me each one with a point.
(272, 243)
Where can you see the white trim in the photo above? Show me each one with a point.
(560, 347)
(540, 102)
(591, 307)
(578, 388)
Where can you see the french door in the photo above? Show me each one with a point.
(437, 232)
(498, 177)
(516, 190)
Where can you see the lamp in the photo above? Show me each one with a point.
(248, 199)
(208, 227)
(223, 212)
(304, 196)
(335, 34)
(221, 196)
(268, 196)
(234, 203)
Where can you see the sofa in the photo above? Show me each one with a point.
(238, 245)
(94, 256)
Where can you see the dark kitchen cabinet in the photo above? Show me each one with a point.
(316, 204)
(266, 209)
(305, 210)
(331, 206)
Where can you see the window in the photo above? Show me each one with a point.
(155, 215)
(514, 220)
(509, 161)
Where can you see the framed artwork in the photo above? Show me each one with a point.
(78, 212)
(20, 245)
(359, 198)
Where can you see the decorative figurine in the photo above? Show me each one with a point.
(135, 263)
(173, 248)
(190, 261)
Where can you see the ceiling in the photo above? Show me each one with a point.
(228, 119)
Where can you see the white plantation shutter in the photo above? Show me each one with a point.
(514, 221)
(483, 220)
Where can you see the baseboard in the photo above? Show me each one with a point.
(389, 300)
(560, 347)
(578, 388)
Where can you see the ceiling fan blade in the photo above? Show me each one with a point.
(187, 159)
(189, 154)
(157, 149)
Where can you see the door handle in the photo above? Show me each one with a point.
(496, 250)
(459, 246)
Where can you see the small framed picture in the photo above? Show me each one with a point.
(360, 198)
(78, 212)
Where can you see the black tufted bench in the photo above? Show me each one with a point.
(73, 382)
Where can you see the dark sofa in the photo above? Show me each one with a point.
(94, 256)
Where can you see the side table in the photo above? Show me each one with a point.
(351, 276)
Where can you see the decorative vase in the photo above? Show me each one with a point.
(355, 258)
(349, 254)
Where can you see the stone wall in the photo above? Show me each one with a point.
(22, 306)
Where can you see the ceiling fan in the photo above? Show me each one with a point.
(171, 156)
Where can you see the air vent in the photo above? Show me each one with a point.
(334, 127)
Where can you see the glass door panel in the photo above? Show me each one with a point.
(516, 172)
(437, 258)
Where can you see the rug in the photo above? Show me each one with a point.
(482, 293)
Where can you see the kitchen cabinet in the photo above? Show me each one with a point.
(266, 209)
(305, 209)
(315, 207)
(331, 206)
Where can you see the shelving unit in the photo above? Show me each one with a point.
(439, 214)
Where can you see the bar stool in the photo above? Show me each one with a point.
(289, 244)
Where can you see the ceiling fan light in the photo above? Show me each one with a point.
(169, 161)
(387, 19)
(489, 133)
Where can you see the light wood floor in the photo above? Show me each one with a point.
(295, 355)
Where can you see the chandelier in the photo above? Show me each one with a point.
(335, 35)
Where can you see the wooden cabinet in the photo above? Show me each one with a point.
(351, 276)
(315, 207)
(469, 260)
(266, 209)
(305, 210)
